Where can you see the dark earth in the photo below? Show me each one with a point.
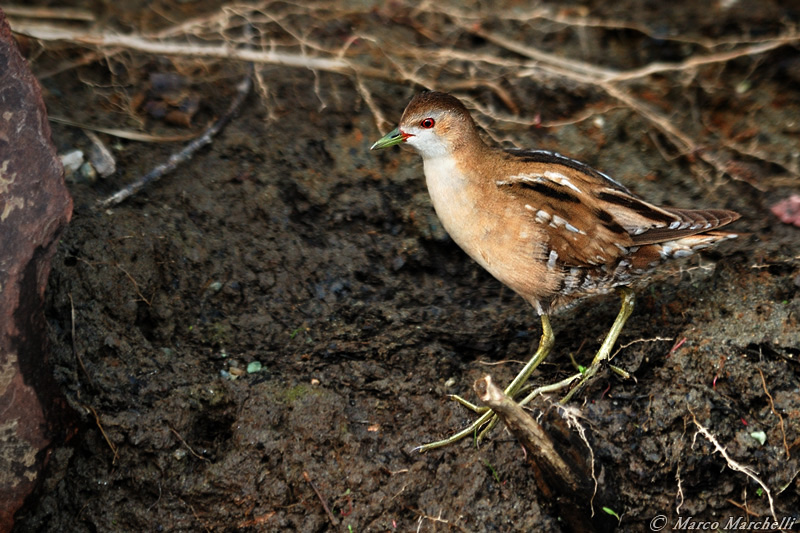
(283, 314)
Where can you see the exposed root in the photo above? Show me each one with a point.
(732, 464)
(423, 516)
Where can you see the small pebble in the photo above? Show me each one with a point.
(88, 173)
(760, 436)
(101, 157)
(72, 161)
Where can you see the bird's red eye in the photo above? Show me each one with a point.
(427, 123)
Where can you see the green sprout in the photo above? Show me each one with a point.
(492, 470)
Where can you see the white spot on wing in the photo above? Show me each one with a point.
(551, 261)
(542, 217)
(561, 179)
(549, 175)
(557, 221)
(522, 177)
(572, 280)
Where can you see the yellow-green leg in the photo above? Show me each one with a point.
(545, 345)
(604, 353)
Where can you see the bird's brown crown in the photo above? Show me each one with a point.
(434, 101)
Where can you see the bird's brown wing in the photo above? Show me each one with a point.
(589, 218)
(650, 224)
(573, 225)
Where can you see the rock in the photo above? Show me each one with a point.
(34, 207)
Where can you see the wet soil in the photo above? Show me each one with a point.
(278, 323)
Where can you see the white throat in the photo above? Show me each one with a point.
(445, 181)
(447, 186)
(428, 144)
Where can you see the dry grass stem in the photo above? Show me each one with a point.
(52, 13)
(334, 522)
(75, 351)
(776, 413)
(125, 134)
(111, 445)
(186, 444)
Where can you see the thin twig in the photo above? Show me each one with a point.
(75, 351)
(124, 134)
(776, 413)
(61, 13)
(332, 518)
(194, 513)
(191, 450)
(103, 431)
(743, 507)
(380, 119)
(135, 285)
(637, 341)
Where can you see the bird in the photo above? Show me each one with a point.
(551, 228)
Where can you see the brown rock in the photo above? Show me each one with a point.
(34, 207)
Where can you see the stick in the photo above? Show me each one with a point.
(332, 518)
(560, 466)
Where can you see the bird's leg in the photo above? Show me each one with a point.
(545, 345)
(604, 353)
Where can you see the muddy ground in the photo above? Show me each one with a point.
(289, 244)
